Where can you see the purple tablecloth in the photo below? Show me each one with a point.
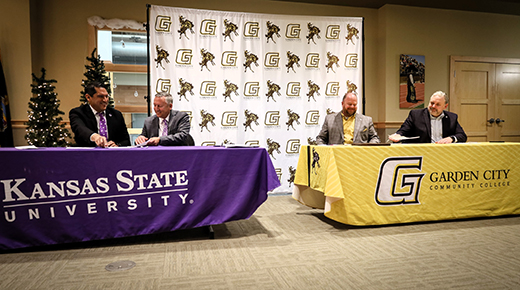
(61, 195)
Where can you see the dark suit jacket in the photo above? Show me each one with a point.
(84, 124)
(332, 130)
(178, 129)
(418, 124)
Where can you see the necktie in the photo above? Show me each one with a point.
(165, 128)
(102, 125)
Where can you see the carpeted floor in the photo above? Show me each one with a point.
(285, 245)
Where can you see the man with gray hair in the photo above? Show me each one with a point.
(167, 127)
(432, 124)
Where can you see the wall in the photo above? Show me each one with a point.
(15, 50)
(57, 41)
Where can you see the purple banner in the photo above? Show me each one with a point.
(61, 195)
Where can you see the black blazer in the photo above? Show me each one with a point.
(84, 124)
(418, 124)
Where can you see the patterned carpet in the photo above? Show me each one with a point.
(285, 245)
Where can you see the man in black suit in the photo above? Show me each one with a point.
(95, 124)
(167, 127)
(432, 124)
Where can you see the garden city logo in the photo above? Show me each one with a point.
(208, 88)
(163, 85)
(312, 117)
(293, 146)
(333, 32)
(251, 89)
(293, 89)
(229, 119)
(251, 29)
(163, 23)
(394, 187)
(229, 58)
(293, 31)
(351, 60)
(208, 27)
(272, 59)
(332, 89)
(184, 56)
(312, 60)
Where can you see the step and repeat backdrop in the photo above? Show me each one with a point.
(250, 79)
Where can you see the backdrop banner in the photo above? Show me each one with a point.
(263, 80)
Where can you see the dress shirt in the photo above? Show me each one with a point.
(348, 128)
(436, 123)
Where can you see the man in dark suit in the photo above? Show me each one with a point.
(347, 126)
(96, 124)
(167, 127)
(432, 124)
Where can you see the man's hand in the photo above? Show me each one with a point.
(154, 141)
(141, 139)
(395, 138)
(446, 140)
(100, 140)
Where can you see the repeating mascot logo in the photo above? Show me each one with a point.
(312, 118)
(351, 60)
(272, 147)
(185, 88)
(292, 174)
(250, 59)
(293, 146)
(333, 31)
(397, 182)
(293, 117)
(311, 141)
(313, 89)
(351, 33)
(292, 59)
(315, 161)
(185, 26)
(279, 173)
(208, 143)
(208, 27)
(230, 27)
(313, 31)
(230, 88)
(329, 111)
(184, 56)
(250, 119)
(272, 30)
(207, 118)
(251, 29)
(206, 57)
(253, 143)
(207, 88)
(229, 58)
(331, 61)
(272, 89)
(351, 87)
(161, 55)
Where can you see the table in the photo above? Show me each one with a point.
(403, 183)
(62, 195)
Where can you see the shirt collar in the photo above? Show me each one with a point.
(438, 117)
(346, 118)
(96, 112)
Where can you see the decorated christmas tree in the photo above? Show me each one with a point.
(96, 73)
(45, 127)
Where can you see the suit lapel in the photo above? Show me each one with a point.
(357, 125)
(338, 123)
(427, 123)
(155, 127)
(91, 118)
(171, 122)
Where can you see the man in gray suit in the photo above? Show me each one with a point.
(167, 127)
(347, 126)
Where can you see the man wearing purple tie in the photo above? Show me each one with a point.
(167, 127)
(95, 124)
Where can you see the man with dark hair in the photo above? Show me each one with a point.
(347, 126)
(432, 124)
(167, 127)
(95, 124)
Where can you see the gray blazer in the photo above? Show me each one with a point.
(332, 130)
(178, 129)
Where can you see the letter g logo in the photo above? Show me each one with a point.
(393, 170)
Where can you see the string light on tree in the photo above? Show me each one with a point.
(44, 125)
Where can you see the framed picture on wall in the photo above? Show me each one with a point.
(411, 81)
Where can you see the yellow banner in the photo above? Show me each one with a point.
(409, 183)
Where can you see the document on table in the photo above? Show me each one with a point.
(401, 138)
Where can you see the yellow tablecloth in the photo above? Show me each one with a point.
(402, 183)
